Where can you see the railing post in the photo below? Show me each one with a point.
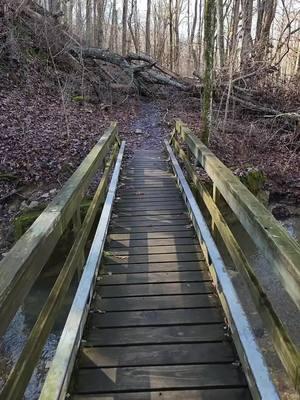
(216, 195)
(76, 221)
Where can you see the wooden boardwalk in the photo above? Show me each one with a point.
(155, 328)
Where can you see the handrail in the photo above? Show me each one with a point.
(271, 238)
(23, 263)
(286, 349)
(57, 380)
(260, 382)
(60, 211)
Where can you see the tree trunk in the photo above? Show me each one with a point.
(247, 6)
(70, 13)
(198, 58)
(221, 33)
(267, 14)
(189, 37)
(148, 33)
(124, 27)
(209, 33)
(176, 31)
(171, 34)
(100, 25)
(88, 18)
(133, 30)
(112, 27)
(54, 6)
(234, 31)
(193, 35)
(260, 13)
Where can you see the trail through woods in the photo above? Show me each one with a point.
(57, 95)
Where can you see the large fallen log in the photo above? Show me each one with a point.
(141, 71)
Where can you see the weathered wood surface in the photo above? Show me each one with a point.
(22, 265)
(286, 349)
(24, 367)
(155, 323)
(168, 354)
(129, 379)
(207, 394)
(282, 251)
(155, 302)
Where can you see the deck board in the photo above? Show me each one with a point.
(153, 335)
(155, 289)
(207, 394)
(154, 277)
(166, 354)
(155, 302)
(155, 330)
(158, 377)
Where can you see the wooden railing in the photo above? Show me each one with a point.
(270, 237)
(20, 269)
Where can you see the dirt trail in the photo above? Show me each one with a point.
(147, 130)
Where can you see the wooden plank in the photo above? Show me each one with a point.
(149, 223)
(155, 218)
(153, 335)
(156, 317)
(282, 251)
(148, 180)
(152, 258)
(149, 197)
(149, 186)
(154, 302)
(152, 235)
(154, 277)
(163, 377)
(161, 354)
(153, 207)
(149, 229)
(207, 394)
(23, 263)
(284, 346)
(148, 174)
(170, 191)
(150, 193)
(142, 213)
(123, 244)
(136, 211)
(187, 248)
(135, 202)
(159, 289)
(154, 267)
(158, 194)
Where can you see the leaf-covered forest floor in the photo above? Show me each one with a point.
(45, 134)
(47, 128)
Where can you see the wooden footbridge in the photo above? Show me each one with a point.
(155, 315)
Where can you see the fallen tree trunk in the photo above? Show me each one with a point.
(140, 71)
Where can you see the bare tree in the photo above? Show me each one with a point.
(148, 33)
(193, 36)
(133, 28)
(265, 18)
(221, 33)
(88, 21)
(171, 34)
(209, 35)
(246, 51)
(124, 27)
